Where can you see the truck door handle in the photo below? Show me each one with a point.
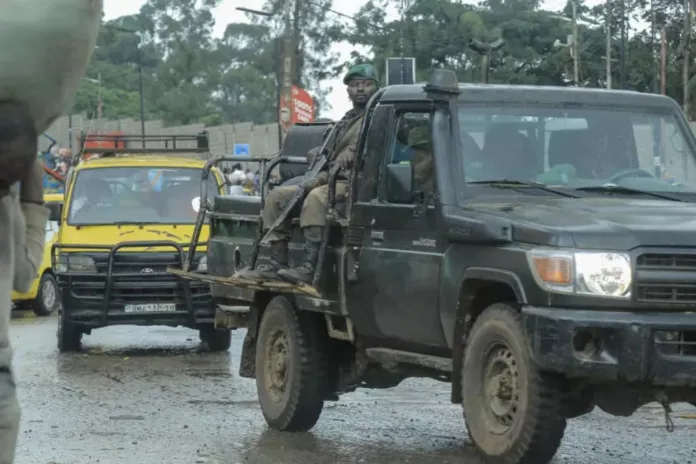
(377, 236)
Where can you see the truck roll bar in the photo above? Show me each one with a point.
(267, 166)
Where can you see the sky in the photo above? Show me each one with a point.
(226, 13)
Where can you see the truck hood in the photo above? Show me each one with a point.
(595, 222)
(112, 235)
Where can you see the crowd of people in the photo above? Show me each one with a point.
(242, 181)
(59, 159)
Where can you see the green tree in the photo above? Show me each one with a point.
(247, 83)
(181, 33)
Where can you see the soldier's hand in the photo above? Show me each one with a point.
(345, 159)
(312, 154)
(31, 187)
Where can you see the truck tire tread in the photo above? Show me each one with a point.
(309, 365)
(543, 424)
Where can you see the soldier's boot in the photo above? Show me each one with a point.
(277, 262)
(305, 272)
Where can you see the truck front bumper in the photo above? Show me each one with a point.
(612, 345)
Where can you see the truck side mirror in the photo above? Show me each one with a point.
(399, 183)
(55, 212)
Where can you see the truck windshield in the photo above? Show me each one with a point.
(580, 147)
(137, 195)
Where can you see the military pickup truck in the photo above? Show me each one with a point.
(545, 268)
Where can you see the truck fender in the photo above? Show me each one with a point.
(464, 321)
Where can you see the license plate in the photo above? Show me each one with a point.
(150, 308)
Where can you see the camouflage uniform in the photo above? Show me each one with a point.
(422, 163)
(314, 207)
(22, 232)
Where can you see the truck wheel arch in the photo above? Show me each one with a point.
(479, 287)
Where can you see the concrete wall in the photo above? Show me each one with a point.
(262, 138)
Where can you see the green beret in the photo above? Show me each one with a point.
(361, 71)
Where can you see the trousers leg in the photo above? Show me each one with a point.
(315, 205)
(9, 417)
(273, 207)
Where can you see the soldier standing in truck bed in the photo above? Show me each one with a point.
(362, 83)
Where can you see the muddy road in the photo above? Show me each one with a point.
(149, 395)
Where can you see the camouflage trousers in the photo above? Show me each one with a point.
(313, 212)
(9, 407)
(9, 417)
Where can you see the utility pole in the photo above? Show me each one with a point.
(485, 50)
(608, 27)
(687, 46)
(622, 57)
(663, 61)
(576, 57)
(140, 91)
(100, 103)
(288, 65)
(653, 48)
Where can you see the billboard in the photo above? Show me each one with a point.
(296, 107)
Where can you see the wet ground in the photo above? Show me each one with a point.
(150, 396)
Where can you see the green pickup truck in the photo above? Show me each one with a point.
(547, 268)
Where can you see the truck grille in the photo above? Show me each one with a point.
(666, 278)
(143, 287)
(676, 343)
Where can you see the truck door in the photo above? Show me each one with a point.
(395, 292)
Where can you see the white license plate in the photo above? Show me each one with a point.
(150, 308)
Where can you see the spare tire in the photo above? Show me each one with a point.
(301, 138)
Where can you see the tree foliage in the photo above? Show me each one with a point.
(190, 76)
(437, 32)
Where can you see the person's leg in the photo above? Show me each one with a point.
(9, 417)
(279, 238)
(9, 407)
(312, 222)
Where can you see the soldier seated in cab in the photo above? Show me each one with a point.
(362, 83)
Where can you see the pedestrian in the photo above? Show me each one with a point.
(64, 161)
(23, 221)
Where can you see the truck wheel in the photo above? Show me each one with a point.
(47, 300)
(291, 367)
(216, 339)
(513, 411)
(69, 335)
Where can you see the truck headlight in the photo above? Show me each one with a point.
(202, 264)
(75, 263)
(595, 273)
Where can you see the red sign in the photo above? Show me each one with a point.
(296, 107)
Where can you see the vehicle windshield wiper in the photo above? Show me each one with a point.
(613, 188)
(503, 183)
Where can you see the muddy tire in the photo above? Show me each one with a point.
(48, 298)
(216, 340)
(69, 335)
(513, 411)
(291, 367)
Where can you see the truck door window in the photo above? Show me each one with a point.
(413, 145)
